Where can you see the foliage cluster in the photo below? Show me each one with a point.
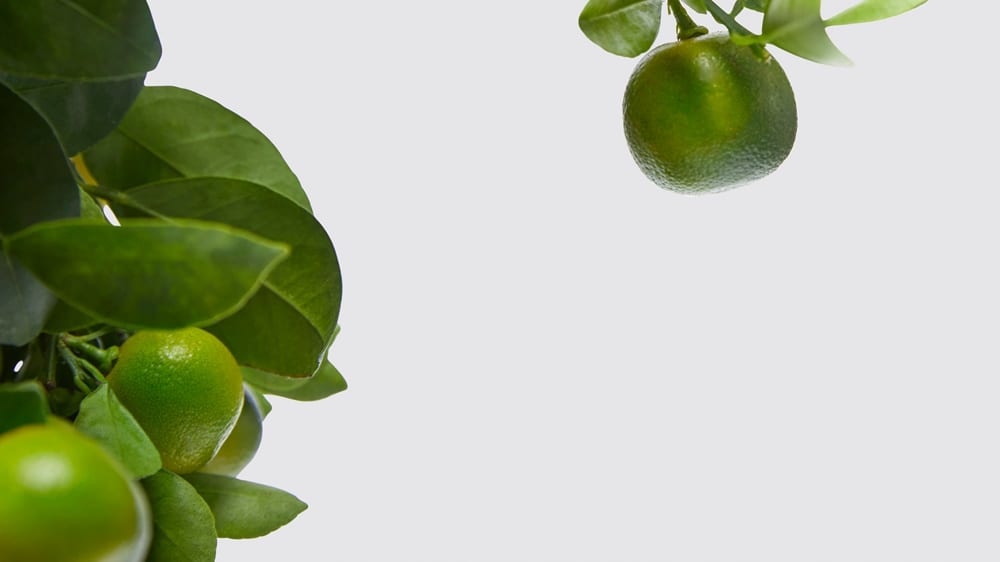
(126, 207)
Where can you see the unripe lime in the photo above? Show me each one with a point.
(64, 499)
(704, 115)
(185, 390)
(242, 444)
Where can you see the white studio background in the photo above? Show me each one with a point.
(553, 360)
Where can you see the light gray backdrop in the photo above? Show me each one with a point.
(551, 359)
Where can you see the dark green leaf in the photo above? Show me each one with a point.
(251, 331)
(622, 27)
(22, 404)
(24, 302)
(244, 509)
(756, 5)
(77, 39)
(81, 113)
(326, 382)
(66, 318)
(183, 526)
(797, 27)
(873, 10)
(148, 273)
(172, 133)
(37, 186)
(105, 419)
(302, 295)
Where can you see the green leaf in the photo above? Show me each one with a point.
(622, 27)
(183, 526)
(172, 133)
(24, 303)
(37, 186)
(696, 5)
(756, 5)
(63, 317)
(77, 40)
(262, 401)
(22, 404)
(66, 318)
(326, 382)
(81, 113)
(302, 294)
(148, 273)
(105, 419)
(873, 10)
(244, 509)
(89, 209)
(797, 27)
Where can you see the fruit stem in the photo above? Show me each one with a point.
(103, 357)
(74, 365)
(90, 336)
(686, 27)
(81, 367)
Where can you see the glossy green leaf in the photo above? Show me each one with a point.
(244, 509)
(326, 382)
(105, 419)
(183, 526)
(873, 10)
(172, 133)
(81, 113)
(22, 404)
(756, 5)
(622, 27)
(77, 39)
(37, 186)
(302, 295)
(148, 273)
(797, 27)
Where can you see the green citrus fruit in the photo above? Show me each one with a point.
(64, 499)
(705, 115)
(241, 445)
(185, 390)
